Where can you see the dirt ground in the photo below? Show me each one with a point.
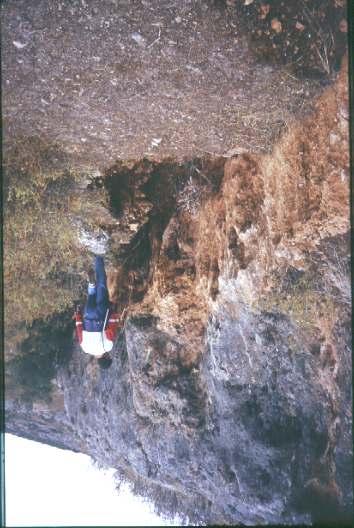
(110, 80)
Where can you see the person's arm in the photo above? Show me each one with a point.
(114, 324)
(79, 325)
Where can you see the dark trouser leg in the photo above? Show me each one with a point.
(90, 311)
(100, 271)
(102, 299)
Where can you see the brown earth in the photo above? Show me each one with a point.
(109, 81)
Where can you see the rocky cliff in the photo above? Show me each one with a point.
(229, 397)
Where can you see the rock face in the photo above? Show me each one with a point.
(229, 397)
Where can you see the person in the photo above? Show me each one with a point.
(97, 328)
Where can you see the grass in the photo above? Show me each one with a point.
(42, 261)
(39, 245)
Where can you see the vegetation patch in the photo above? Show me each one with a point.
(302, 300)
(42, 261)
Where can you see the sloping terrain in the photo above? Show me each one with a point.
(227, 233)
(122, 80)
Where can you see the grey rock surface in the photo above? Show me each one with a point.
(233, 441)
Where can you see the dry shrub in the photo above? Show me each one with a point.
(275, 209)
(306, 177)
(190, 199)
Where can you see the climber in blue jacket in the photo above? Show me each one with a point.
(97, 327)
